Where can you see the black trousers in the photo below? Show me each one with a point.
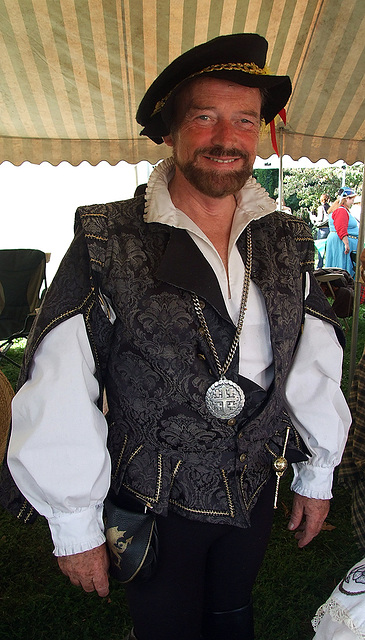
(201, 567)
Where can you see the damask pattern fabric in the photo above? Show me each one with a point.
(165, 446)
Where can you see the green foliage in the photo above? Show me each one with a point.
(38, 602)
(302, 188)
(269, 179)
(354, 177)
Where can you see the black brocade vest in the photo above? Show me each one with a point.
(155, 365)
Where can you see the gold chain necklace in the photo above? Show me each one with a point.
(224, 398)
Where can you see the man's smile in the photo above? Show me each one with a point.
(220, 155)
(221, 160)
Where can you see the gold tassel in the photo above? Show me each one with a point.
(280, 465)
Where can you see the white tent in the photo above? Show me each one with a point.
(74, 71)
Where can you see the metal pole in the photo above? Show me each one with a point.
(358, 282)
(136, 174)
(344, 167)
(281, 198)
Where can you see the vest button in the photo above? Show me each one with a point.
(202, 304)
(242, 457)
(201, 356)
(231, 422)
(240, 435)
(201, 331)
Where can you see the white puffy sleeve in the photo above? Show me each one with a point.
(317, 407)
(57, 453)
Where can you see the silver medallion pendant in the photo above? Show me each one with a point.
(224, 399)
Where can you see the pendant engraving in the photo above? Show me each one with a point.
(224, 399)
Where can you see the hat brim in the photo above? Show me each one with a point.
(232, 52)
(278, 89)
(351, 194)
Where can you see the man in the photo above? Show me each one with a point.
(186, 305)
(320, 217)
(320, 220)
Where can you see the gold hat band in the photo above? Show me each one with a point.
(246, 67)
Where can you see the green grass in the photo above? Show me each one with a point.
(293, 582)
(37, 601)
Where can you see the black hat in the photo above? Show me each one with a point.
(239, 57)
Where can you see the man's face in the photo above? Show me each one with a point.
(215, 135)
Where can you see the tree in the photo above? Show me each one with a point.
(269, 179)
(302, 188)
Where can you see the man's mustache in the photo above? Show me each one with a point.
(220, 152)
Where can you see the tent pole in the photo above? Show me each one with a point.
(136, 173)
(358, 282)
(281, 168)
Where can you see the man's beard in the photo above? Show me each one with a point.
(212, 182)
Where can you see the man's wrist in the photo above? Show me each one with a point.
(312, 481)
(77, 531)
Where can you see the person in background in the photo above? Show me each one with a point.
(320, 221)
(344, 232)
(195, 308)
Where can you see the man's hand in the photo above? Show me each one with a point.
(88, 570)
(307, 517)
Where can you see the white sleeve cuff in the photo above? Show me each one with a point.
(312, 481)
(77, 531)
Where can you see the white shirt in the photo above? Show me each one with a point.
(57, 453)
(342, 616)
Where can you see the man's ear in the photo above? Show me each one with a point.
(168, 140)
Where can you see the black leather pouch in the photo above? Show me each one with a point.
(132, 541)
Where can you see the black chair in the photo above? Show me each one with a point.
(22, 287)
(337, 284)
(353, 259)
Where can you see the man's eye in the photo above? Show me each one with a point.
(245, 123)
(204, 117)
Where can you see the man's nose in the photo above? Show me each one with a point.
(224, 134)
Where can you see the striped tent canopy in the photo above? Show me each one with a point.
(74, 71)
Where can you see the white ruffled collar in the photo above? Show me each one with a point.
(253, 202)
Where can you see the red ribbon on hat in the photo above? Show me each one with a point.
(282, 114)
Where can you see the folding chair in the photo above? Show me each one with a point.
(22, 286)
(337, 283)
